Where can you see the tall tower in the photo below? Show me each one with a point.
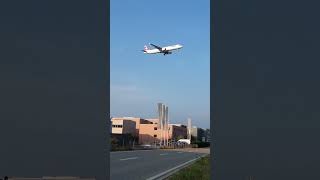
(167, 126)
(163, 121)
(163, 124)
(160, 110)
(189, 128)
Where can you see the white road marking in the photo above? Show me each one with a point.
(125, 159)
(112, 152)
(163, 154)
(172, 170)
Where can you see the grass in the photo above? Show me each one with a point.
(198, 170)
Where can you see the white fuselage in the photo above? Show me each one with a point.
(167, 48)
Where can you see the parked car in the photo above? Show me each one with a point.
(146, 146)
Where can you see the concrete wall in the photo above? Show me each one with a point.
(117, 130)
(149, 134)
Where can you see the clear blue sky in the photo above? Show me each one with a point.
(181, 80)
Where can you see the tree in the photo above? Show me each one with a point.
(179, 137)
(193, 139)
(114, 141)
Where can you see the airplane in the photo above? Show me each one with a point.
(164, 50)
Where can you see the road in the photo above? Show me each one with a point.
(143, 164)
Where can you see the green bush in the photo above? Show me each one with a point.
(200, 144)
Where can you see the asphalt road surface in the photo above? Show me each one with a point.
(143, 164)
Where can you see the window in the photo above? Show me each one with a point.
(155, 135)
(155, 128)
(117, 126)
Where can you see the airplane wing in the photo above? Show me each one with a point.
(158, 47)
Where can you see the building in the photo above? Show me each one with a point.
(154, 121)
(208, 135)
(197, 134)
(137, 121)
(177, 131)
(123, 133)
(148, 130)
(149, 133)
(123, 127)
(143, 129)
(180, 125)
